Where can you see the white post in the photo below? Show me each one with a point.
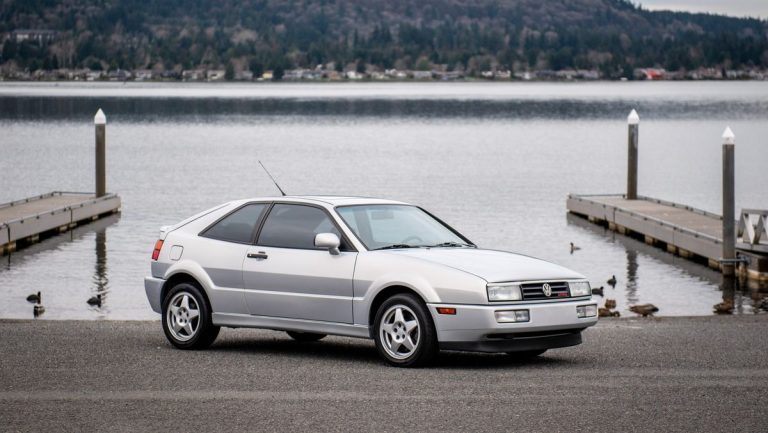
(729, 202)
(100, 120)
(633, 122)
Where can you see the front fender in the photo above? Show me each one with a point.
(375, 272)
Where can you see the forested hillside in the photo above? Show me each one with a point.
(612, 36)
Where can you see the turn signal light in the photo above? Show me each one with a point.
(446, 310)
(156, 252)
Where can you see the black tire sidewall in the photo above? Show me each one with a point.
(427, 347)
(206, 332)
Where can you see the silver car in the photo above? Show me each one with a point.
(359, 267)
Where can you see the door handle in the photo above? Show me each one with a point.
(260, 255)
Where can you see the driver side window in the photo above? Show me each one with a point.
(295, 226)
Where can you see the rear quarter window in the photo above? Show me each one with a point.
(239, 226)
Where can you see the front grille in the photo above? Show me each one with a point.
(535, 291)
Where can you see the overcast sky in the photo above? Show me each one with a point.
(738, 8)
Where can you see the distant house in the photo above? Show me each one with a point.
(192, 74)
(524, 75)
(93, 75)
(379, 76)
(566, 74)
(143, 74)
(39, 36)
(169, 74)
(215, 74)
(244, 76)
(354, 75)
(119, 75)
(450, 75)
(294, 74)
(422, 75)
(394, 73)
(589, 74)
(649, 74)
(502, 75)
(267, 76)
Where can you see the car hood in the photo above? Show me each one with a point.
(491, 265)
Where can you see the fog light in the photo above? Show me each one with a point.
(512, 316)
(583, 311)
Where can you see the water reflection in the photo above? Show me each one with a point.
(100, 287)
(17, 258)
(149, 109)
(56, 298)
(632, 267)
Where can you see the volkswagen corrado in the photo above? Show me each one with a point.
(360, 267)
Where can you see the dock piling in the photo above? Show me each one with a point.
(729, 205)
(633, 122)
(100, 122)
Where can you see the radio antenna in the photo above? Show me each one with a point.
(273, 179)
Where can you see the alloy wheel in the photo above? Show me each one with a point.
(400, 332)
(183, 316)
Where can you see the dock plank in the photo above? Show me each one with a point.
(680, 226)
(28, 219)
(691, 233)
(35, 206)
(679, 216)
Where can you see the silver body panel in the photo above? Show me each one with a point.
(314, 291)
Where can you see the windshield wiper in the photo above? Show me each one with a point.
(395, 246)
(452, 244)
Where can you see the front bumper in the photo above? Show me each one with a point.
(154, 288)
(474, 327)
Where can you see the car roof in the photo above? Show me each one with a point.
(331, 200)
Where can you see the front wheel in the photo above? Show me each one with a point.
(187, 318)
(404, 333)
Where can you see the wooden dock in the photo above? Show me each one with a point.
(26, 221)
(683, 230)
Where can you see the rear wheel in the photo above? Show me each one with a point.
(187, 318)
(305, 336)
(404, 333)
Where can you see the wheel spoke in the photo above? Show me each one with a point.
(399, 316)
(193, 314)
(394, 345)
(175, 325)
(188, 328)
(185, 302)
(174, 310)
(408, 343)
(388, 328)
(411, 325)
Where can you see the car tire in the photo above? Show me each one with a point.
(305, 337)
(526, 354)
(186, 318)
(404, 333)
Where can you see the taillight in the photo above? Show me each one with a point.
(156, 252)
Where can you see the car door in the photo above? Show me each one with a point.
(286, 276)
(220, 250)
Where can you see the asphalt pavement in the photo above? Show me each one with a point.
(660, 374)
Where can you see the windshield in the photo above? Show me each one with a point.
(398, 226)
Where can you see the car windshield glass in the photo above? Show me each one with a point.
(398, 226)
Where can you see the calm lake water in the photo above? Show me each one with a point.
(495, 160)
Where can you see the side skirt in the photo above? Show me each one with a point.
(283, 324)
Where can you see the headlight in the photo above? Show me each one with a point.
(508, 292)
(580, 288)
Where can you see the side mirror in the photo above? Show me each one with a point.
(328, 240)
